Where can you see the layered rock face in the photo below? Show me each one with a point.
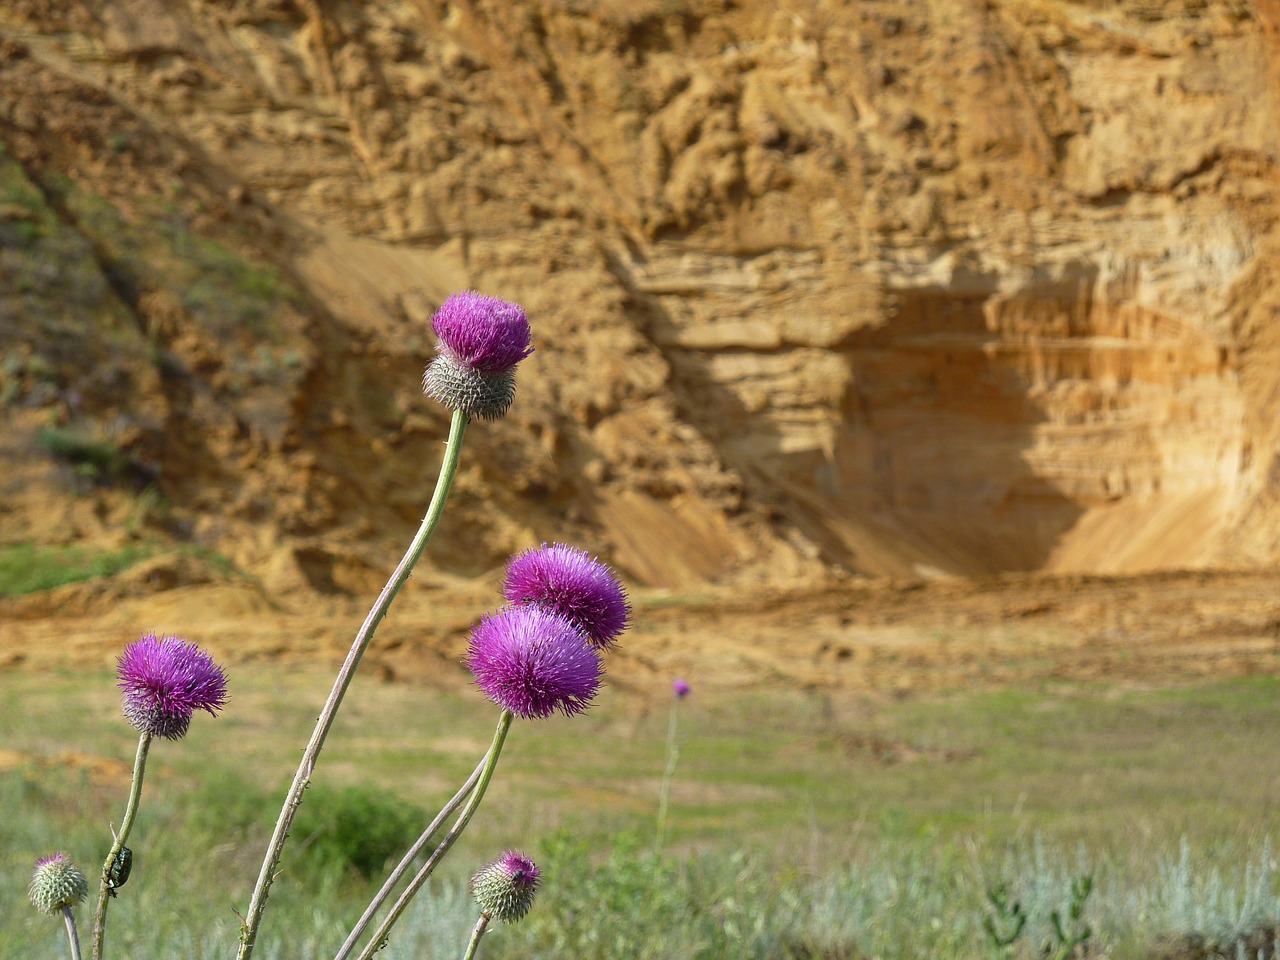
(905, 289)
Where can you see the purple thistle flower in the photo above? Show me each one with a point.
(483, 332)
(533, 662)
(504, 888)
(165, 680)
(680, 688)
(481, 341)
(569, 582)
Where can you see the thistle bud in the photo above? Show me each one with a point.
(57, 883)
(504, 888)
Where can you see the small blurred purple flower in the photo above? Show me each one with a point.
(680, 688)
(533, 662)
(481, 341)
(569, 582)
(504, 888)
(164, 681)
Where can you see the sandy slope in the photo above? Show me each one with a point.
(854, 638)
(820, 291)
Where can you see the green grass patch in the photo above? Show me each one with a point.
(801, 825)
(663, 599)
(52, 280)
(94, 459)
(26, 568)
(154, 245)
(218, 562)
(18, 191)
(225, 285)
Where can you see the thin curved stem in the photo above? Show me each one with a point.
(491, 762)
(403, 866)
(293, 800)
(73, 935)
(476, 934)
(673, 755)
(126, 825)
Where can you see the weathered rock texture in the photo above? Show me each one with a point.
(903, 288)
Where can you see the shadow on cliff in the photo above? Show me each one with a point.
(926, 469)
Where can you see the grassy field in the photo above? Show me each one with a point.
(801, 825)
(26, 568)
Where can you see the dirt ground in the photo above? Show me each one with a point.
(857, 636)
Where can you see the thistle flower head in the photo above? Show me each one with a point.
(533, 662)
(164, 681)
(504, 888)
(57, 883)
(483, 332)
(481, 341)
(569, 582)
(680, 688)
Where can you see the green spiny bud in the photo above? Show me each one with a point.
(504, 888)
(57, 883)
(477, 393)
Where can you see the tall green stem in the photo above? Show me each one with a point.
(403, 866)
(293, 800)
(476, 934)
(491, 762)
(130, 814)
(673, 754)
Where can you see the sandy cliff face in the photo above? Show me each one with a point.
(900, 288)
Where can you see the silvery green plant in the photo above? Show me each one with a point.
(1071, 936)
(1005, 920)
